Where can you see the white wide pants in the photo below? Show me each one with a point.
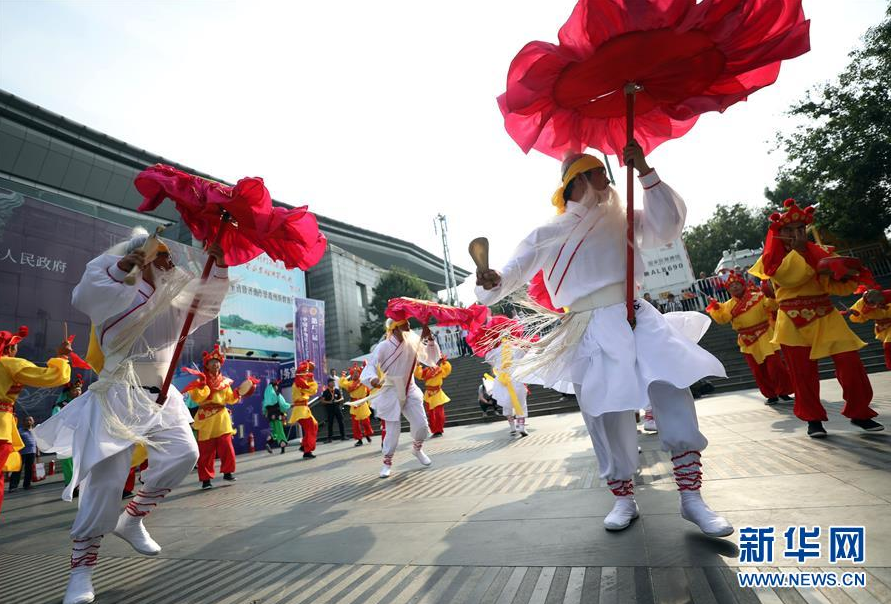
(417, 421)
(100, 493)
(614, 435)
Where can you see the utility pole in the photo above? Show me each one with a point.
(441, 227)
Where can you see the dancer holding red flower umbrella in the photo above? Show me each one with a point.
(625, 77)
(143, 308)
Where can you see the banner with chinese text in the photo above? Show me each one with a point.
(309, 335)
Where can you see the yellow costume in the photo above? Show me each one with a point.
(861, 312)
(752, 322)
(433, 378)
(807, 316)
(357, 391)
(213, 418)
(15, 374)
(303, 389)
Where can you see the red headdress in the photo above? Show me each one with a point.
(305, 367)
(818, 257)
(77, 381)
(735, 277)
(489, 336)
(215, 355)
(793, 214)
(8, 339)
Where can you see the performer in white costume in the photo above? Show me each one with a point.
(508, 391)
(614, 369)
(134, 330)
(395, 358)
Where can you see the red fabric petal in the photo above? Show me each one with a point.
(690, 58)
(289, 235)
(488, 336)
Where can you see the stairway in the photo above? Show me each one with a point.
(461, 386)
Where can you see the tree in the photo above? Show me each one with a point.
(840, 158)
(394, 283)
(730, 226)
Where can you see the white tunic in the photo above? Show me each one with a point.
(582, 254)
(397, 361)
(500, 391)
(120, 313)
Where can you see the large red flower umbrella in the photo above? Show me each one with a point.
(645, 69)
(241, 219)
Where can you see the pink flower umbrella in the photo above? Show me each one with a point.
(644, 70)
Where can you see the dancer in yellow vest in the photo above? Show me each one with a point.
(748, 312)
(213, 391)
(874, 306)
(15, 374)
(434, 397)
(361, 413)
(809, 327)
(305, 387)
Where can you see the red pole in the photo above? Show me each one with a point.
(630, 90)
(190, 318)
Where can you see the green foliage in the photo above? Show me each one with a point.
(394, 283)
(840, 158)
(729, 224)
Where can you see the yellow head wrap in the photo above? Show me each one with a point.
(582, 163)
(392, 325)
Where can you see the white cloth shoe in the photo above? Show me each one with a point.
(694, 509)
(650, 425)
(422, 457)
(80, 586)
(623, 513)
(131, 530)
(385, 471)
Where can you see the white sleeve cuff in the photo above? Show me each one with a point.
(220, 272)
(649, 180)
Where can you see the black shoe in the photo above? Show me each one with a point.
(283, 449)
(11, 489)
(787, 398)
(269, 448)
(772, 400)
(301, 447)
(368, 438)
(229, 476)
(308, 456)
(868, 425)
(343, 438)
(327, 441)
(127, 495)
(436, 435)
(206, 485)
(358, 443)
(816, 430)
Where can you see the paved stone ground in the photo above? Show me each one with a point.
(494, 520)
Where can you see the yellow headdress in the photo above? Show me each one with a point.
(572, 167)
(391, 325)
